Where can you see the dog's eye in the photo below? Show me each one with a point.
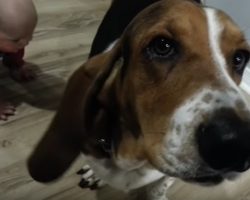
(161, 47)
(240, 60)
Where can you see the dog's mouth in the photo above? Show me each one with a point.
(206, 180)
(213, 179)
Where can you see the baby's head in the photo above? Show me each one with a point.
(18, 19)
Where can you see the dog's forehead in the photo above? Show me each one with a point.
(182, 20)
(174, 16)
(231, 35)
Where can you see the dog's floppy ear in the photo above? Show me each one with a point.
(63, 140)
(92, 103)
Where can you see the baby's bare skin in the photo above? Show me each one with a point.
(18, 19)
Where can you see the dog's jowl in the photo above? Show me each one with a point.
(162, 101)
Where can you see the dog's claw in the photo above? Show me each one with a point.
(83, 184)
(84, 170)
(80, 172)
(95, 185)
(89, 180)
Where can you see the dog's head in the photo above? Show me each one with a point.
(177, 94)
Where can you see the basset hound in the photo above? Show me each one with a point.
(163, 100)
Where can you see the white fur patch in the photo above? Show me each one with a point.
(215, 29)
(125, 180)
(180, 150)
(111, 46)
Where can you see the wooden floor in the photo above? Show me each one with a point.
(61, 43)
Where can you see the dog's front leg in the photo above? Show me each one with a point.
(158, 190)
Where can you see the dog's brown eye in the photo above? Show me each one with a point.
(240, 60)
(161, 47)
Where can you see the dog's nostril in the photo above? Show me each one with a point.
(224, 143)
(242, 166)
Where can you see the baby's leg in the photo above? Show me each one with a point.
(15, 63)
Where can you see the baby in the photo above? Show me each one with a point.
(18, 19)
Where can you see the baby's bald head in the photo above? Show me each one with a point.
(18, 18)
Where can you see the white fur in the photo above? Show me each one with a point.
(215, 29)
(125, 180)
(90, 179)
(180, 150)
(111, 46)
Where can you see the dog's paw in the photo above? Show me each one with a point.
(89, 180)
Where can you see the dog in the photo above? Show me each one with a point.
(163, 100)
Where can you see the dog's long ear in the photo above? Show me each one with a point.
(92, 102)
(197, 1)
(62, 142)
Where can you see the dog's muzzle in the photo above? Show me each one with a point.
(223, 142)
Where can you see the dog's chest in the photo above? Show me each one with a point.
(125, 180)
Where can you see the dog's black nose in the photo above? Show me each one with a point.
(224, 142)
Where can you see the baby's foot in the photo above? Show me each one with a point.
(22, 74)
(6, 110)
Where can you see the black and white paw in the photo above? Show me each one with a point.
(89, 180)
